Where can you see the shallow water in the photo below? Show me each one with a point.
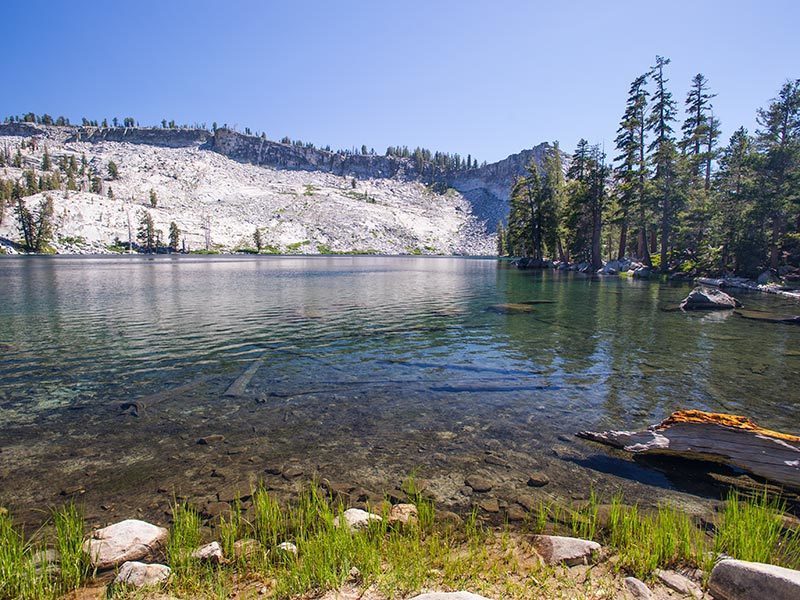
(358, 368)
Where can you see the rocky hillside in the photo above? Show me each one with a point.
(219, 187)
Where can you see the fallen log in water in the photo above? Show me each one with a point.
(729, 439)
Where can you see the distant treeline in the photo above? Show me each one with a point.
(422, 157)
(672, 197)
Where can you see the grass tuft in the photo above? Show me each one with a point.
(70, 530)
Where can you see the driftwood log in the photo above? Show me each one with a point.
(729, 439)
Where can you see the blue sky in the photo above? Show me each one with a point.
(486, 78)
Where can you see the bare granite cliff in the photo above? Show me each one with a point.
(487, 187)
(275, 186)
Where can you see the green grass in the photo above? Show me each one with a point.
(400, 561)
(70, 530)
(750, 528)
(184, 538)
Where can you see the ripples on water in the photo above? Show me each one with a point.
(89, 331)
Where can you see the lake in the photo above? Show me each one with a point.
(359, 370)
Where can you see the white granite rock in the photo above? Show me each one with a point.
(137, 574)
(556, 549)
(127, 540)
(355, 518)
(739, 580)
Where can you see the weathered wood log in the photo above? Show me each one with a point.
(730, 439)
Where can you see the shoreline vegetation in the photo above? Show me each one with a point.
(314, 546)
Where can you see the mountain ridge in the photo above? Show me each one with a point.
(480, 199)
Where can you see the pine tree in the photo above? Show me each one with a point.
(700, 131)
(257, 240)
(174, 236)
(778, 141)
(501, 239)
(663, 152)
(737, 222)
(153, 198)
(113, 172)
(631, 172)
(46, 164)
(147, 232)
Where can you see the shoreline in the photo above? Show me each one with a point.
(405, 545)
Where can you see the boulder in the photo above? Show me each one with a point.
(403, 514)
(559, 550)
(638, 589)
(211, 553)
(128, 540)
(642, 273)
(355, 518)
(704, 298)
(449, 596)
(138, 574)
(739, 580)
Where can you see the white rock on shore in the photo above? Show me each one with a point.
(137, 574)
(741, 580)
(556, 549)
(128, 540)
(210, 553)
(355, 518)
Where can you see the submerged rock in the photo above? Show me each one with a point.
(538, 479)
(740, 580)
(355, 518)
(137, 574)
(512, 308)
(478, 483)
(703, 298)
(766, 317)
(556, 549)
(128, 540)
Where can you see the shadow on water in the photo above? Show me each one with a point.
(694, 477)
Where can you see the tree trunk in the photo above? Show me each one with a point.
(774, 250)
(623, 236)
(664, 233)
(597, 259)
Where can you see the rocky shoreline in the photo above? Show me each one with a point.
(769, 282)
(135, 558)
